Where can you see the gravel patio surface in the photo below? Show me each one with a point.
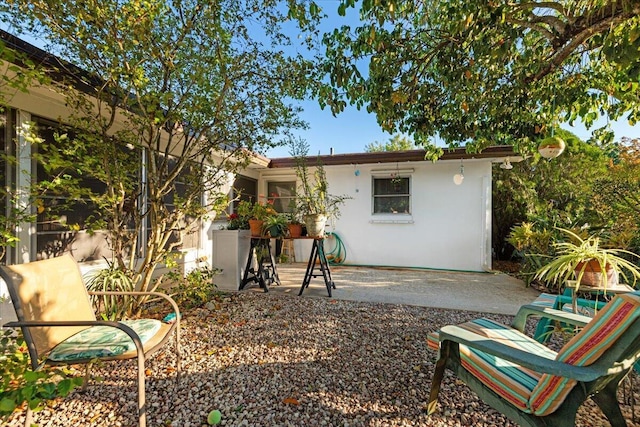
(278, 360)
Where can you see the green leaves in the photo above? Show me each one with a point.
(19, 384)
(485, 72)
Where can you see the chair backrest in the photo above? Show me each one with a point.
(612, 336)
(48, 290)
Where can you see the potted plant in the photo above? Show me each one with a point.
(585, 260)
(256, 213)
(314, 202)
(294, 226)
(275, 225)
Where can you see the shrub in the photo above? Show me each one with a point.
(194, 289)
(20, 384)
(111, 279)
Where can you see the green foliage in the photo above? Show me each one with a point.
(195, 289)
(482, 72)
(19, 384)
(578, 251)
(111, 279)
(312, 197)
(617, 195)
(184, 89)
(549, 193)
(276, 225)
(532, 245)
(397, 143)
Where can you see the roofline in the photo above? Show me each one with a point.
(55, 67)
(493, 152)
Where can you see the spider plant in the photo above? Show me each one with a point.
(578, 256)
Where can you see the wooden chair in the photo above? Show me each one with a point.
(59, 325)
(532, 384)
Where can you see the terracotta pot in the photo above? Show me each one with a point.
(255, 225)
(295, 230)
(592, 275)
(315, 225)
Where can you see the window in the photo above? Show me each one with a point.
(244, 188)
(283, 194)
(61, 217)
(391, 195)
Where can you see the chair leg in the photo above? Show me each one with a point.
(28, 417)
(142, 409)
(607, 401)
(437, 379)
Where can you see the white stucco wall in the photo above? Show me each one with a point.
(445, 229)
(449, 227)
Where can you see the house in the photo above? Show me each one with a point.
(403, 211)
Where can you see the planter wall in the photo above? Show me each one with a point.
(230, 252)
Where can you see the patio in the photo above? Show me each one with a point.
(277, 359)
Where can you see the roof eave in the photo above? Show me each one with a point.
(497, 152)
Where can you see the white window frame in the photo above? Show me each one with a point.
(400, 174)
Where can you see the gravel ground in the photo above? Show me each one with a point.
(278, 360)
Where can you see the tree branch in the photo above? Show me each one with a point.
(574, 37)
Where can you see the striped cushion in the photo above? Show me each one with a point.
(512, 382)
(584, 349)
(103, 341)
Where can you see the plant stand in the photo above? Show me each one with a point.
(266, 273)
(318, 255)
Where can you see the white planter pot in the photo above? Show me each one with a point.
(315, 225)
(230, 253)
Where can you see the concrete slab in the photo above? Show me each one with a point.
(481, 292)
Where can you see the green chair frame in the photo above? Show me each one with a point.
(598, 381)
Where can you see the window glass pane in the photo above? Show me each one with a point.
(61, 221)
(391, 205)
(244, 188)
(282, 194)
(391, 195)
(390, 186)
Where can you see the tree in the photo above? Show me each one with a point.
(481, 73)
(557, 193)
(396, 143)
(616, 195)
(188, 88)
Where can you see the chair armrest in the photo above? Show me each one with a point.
(535, 310)
(164, 296)
(532, 361)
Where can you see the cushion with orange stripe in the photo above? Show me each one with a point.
(512, 382)
(584, 349)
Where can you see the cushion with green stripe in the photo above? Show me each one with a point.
(103, 341)
(584, 349)
(512, 382)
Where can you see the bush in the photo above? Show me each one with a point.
(111, 279)
(20, 384)
(194, 289)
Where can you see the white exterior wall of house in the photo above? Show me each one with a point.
(449, 226)
(446, 227)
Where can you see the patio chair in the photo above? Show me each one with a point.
(59, 325)
(563, 302)
(532, 384)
